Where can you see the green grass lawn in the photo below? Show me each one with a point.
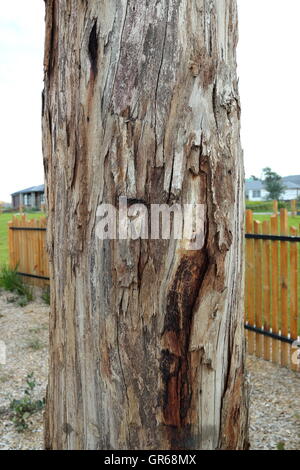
(293, 221)
(4, 219)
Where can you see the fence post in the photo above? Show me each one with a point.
(266, 288)
(275, 207)
(284, 285)
(294, 288)
(249, 276)
(258, 289)
(294, 207)
(11, 257)
(275, 288)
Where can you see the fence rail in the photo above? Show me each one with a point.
(272, 288)
(27, 249)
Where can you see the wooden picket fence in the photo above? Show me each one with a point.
(27, 249)
(272, 288)
(272, 279)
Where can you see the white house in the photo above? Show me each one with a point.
(255, 190)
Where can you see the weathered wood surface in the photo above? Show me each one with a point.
(146, 345)
(27, 249)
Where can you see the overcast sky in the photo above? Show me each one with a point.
(269, 71)
(21, 84)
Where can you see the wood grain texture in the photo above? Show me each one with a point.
(267, 288)
(259, 340)
(284, 284)
(250, 282)
(146, 338)
(275, 289)
(294, 297)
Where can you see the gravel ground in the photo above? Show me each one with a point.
(274, 408)
(25, 332)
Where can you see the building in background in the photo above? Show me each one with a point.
(30, 198)
(255, 190)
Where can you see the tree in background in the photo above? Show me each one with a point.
(146, 337)
(273, 184)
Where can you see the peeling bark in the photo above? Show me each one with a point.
(146, 338)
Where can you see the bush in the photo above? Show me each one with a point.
(263, 206)
(29, 210)
(22, 301)
(46, 296)
(283, 205)
(11, 281)
(35, 344)
(266, 206)
(25, 407)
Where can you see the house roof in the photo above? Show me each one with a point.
(293, 179)
(33, 189)
(254, 185)
(290, 185)
(289, 182)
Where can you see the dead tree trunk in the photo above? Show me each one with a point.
(146, 338)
